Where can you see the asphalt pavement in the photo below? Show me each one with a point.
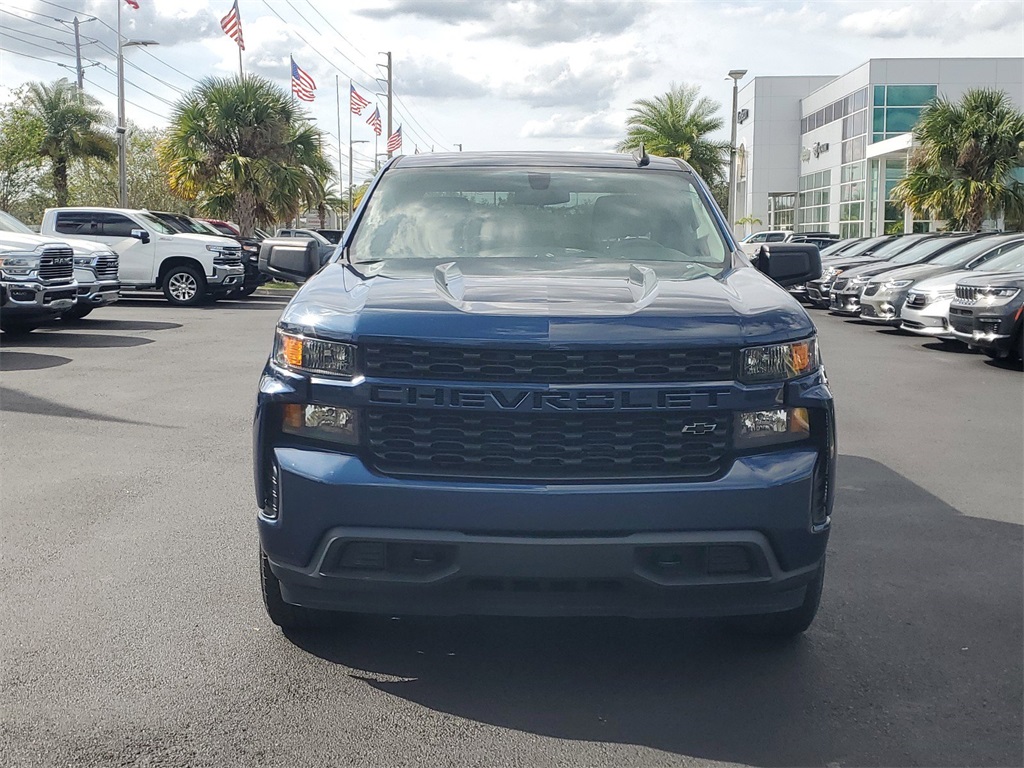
(132, 631)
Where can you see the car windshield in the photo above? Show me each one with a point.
(861, 247)
(1011, 261)
(964, 253)
(10, 224)
(898, 245)
(156, 224)
(921, 251)
(836, 247)
(451, 213)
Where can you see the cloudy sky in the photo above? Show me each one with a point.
(490, 74)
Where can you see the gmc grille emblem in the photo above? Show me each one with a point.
(700, 428)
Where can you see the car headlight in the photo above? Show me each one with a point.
(308, 355)
(19, 263)
(777, 425)
(779, 362)
(891, 285)
(85, 261)
(828, 273)
(321, 422)
(996, 296)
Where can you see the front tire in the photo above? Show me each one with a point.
(17, 327)
(285, 615)
(786, 623)
(184, 286)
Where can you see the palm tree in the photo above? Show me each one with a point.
(70, 121)
(242, 149)
(963, 169)
(677, 124)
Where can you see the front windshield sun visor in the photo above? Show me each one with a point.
(626, 215)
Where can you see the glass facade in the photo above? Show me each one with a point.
(852, 193)
(781, 210)
(896, 108)
(837, 110)
(814, 201)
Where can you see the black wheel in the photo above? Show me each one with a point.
(285, 615)
(184, 286)
(17, 327)
(994, 354)
(785, 623)
(246, 290)
(77, 312)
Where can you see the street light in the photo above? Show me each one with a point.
(122, 129)
(458, 145)
(351, 181)
(735, 75)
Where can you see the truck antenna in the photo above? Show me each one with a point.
(641, 157)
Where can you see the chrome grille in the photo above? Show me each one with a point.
(967, 294)
(839, 285)
(547, 366)
(106, 267)
(917, 300)
(569, 446)
(57, 264)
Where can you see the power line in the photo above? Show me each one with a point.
(37, 58)
(8, 34)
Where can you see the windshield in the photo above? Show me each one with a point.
(451, 213)
(898, 245)
(156, 224)
(921, 251)
(860, 248)
(836, 247)
(964, 253)
(1011, 261)
(10, 224)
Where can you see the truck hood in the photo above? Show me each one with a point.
(564, 301)
(19, 241)
(913, 272)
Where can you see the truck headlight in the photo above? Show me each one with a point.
(19, 264)
(778, 425)
(891, 285)
(308, 355)
(779, 362)
(85, 261)
(321, 422)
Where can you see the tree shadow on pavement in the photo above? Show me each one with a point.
(69, 340)
(915, 657)
(97, 324)
(13, 400)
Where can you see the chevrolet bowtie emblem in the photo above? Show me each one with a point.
(699, 428)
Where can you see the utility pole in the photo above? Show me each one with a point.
(78, 60)
(337, 90)
(735, 76)
(390, 95)
(122, 129)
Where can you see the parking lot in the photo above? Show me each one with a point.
(133, 631)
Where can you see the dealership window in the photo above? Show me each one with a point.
(896, 109)
(837, 110)
(814, 201)
(781, 210)
(852, 191)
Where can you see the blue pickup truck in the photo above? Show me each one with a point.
(544, 384)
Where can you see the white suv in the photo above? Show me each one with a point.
(188, 268)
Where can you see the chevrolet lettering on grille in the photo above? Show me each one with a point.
(548, 400)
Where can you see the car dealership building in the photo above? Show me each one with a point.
(824, 152)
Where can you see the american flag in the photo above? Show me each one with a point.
(302, 84)
(232, 25)
(374, 121)
(395, 140)
(357, 102)
(133, 4)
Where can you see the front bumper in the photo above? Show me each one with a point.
(846, 303)
(818, 292)
(930, 320)
(986, 328)
(28, 299)
(226, 277)
(99, 294)
(882, 308)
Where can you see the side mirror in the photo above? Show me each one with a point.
(290, 259)
(789, 263)
(141, 234)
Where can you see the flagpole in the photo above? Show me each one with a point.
(351, 183)
(241, 73)
(337, 91)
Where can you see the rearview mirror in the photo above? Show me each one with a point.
(141, 234)
(788, 263)
(289, 258)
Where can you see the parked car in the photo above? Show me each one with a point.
(250, 248)
(751, 243)
(580, 400)
(333, 235)
(833, 264)
(37, 280)
(228, 228)
(987, 313)
(305, 244)
(188, 268)
(883, 297)
(844, 298)
(926, 311)
(95, 271)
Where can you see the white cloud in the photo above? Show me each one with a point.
(563, 127)
(942, 20)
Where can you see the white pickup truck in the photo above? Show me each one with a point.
(188, 268)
